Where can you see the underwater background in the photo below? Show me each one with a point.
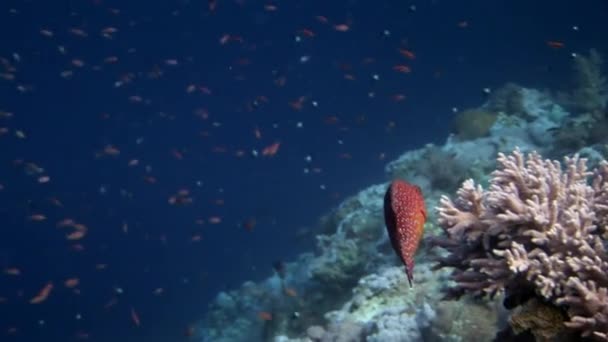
(215, 170)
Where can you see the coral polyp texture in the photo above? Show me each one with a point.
(538, 235)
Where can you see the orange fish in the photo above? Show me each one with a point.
(189, 331)
(215, 220)
(265, 316)
(43, 294)
(71, 282)
(322, 19)
(405, 215)
(341, 27)
(402, 68)
(37, 217)
(407, 53)
(291, 292)
(76, 235)
(111, 150)
(555, 44)
(135, 317)
(271, 150)
(13, 271)
(249, 224)
(307, 32)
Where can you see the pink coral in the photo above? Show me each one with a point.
(538, 231)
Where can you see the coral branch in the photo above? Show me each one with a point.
(539, 227)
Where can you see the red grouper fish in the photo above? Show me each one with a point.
(404, 215)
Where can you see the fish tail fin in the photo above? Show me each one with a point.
(409, 276)
(409, 271)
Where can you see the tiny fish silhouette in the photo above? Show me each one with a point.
(404, 215)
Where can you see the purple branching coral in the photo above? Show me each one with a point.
(538, 232)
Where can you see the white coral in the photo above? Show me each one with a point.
(541, 221)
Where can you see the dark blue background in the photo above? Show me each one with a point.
(63, 119)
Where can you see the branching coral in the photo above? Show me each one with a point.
(537, 232)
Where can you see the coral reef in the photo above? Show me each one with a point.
(349, 249)
(351, 289)
(508, 99)
(465, 320)
(473, 123)
(537, 232)
(340, 265)
(591, 90)
(434, 168)
(589, 102)
(384, 308)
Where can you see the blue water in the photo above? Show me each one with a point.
(460, 47)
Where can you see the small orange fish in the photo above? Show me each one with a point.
(78, 32)
(215, 220)
(265, 316)
(110, 150)
(249, 224)
(291, 292)
(322, 19)
(189, 331)
(407, 53)
(257, 133)
(135, 317)
(341, 27)
(43, 294)
(271, 150)
(109, 30)
(13, 271)
(555, 44)
(77, 247)
(398, 97)
(307, 32)
(212, 4)
(405, 215)
(71, 282)
(150, 179)
(110, 303)
(402, 68)
(76, 235)
(37, 217)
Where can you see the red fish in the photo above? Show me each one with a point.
(135, 317)
(404, 215)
